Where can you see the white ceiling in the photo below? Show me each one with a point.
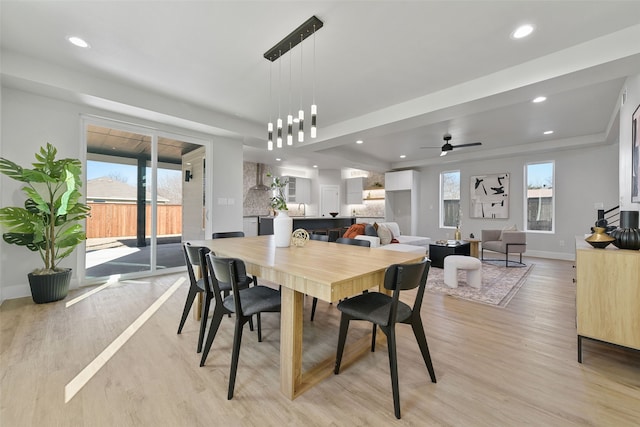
(396, 74)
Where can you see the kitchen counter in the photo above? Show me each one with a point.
(309, 223)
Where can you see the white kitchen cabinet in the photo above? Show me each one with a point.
(298, 190)
(400, 180)
(401, 199)
(354, 191)
(250, 226)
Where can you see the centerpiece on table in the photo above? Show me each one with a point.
(282, 223)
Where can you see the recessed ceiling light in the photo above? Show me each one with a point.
(315, 166)
(278, 159)
(548, 132)
(402, 156)
(522, 31)
(359, 141)
(539, 99)
(77, 41)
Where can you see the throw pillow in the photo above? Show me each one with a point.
(393, 227)
(369, 230)
(508, 228)
(375, 225)
(384, 234)
(354, 230)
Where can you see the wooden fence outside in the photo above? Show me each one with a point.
(119, 220)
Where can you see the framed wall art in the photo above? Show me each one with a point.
(635, 156)
(490, 196)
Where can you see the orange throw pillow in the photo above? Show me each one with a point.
(354, 230)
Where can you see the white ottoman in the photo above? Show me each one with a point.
(473, 266)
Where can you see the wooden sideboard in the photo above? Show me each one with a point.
(607, 295)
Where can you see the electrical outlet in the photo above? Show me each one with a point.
(561, 243)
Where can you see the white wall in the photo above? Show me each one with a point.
(30, 121)
(583, 177)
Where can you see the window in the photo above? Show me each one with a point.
(540, 208)
(449, 198)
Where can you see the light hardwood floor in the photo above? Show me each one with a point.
(495, 366)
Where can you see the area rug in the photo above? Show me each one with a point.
(499, 284)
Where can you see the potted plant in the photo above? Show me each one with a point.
(278, 200)
(49, 221)
(283, 223)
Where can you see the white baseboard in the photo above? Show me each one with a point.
(551, 255)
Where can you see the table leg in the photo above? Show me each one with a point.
(291, 341)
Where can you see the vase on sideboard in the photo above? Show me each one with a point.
(282, 229)
(599, 239)
(628, 234)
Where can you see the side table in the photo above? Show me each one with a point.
(437, 253)
(474, 252)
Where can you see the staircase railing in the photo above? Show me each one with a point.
(612, 216)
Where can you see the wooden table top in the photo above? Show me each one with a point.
(315, 268)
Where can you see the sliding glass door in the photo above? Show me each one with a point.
(135, 183)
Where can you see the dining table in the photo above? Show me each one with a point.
(328, 271)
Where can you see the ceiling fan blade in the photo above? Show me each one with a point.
(471, 144)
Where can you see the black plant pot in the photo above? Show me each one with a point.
(49, 287)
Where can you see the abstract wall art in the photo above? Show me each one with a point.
(490, 196)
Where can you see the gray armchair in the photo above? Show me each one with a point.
(511, 242)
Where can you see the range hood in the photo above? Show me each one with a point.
(259, 179)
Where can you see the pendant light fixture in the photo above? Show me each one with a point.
(290, 116)
(307, 29)
(279, 122)
(300, 110)
(270, 124)
(314, 107)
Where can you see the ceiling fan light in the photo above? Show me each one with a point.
(444, 153)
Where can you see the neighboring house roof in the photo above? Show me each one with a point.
(105, 189)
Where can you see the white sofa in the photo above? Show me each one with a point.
(405, 243)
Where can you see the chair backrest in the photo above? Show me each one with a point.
(401, 277)
(225, 234)
(355, 242)
(192, 258)
(321, 237)
(225, 270)
(214, 285)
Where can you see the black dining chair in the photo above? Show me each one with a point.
(243, 302)
(192, 259)
(385, 311)
(343, 241)
(355, 242)
(249, 280)
(322, 238)
(225, 234)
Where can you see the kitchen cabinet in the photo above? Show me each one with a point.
(298, 190)
(401, 199)
(607, 295)
(400, 180)
(250, 226)
(354, 191)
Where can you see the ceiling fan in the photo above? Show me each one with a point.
(448, 147)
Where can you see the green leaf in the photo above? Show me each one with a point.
(20, 239)
(18, 220)
(12, 170)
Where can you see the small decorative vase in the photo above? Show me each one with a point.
(628, 235)
(282, 229)
(599, 239)
(457, 235)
